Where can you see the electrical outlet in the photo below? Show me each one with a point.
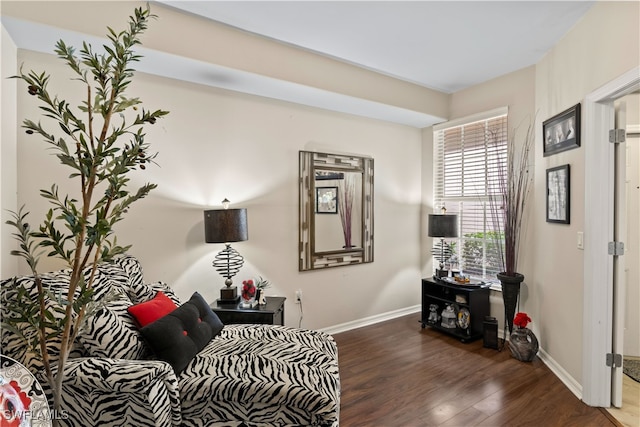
(298, 296)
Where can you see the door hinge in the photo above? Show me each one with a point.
(617, 136)
(616, 248)
(614, 360)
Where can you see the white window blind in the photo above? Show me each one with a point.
(470, 158)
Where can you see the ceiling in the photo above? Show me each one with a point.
(442, 45)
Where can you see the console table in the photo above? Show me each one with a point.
(272, 313)
(468, 305)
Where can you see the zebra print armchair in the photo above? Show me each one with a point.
(247, 375)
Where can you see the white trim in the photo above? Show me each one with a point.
(571, 383)
(496, 112)
(372, 320)
(598, 118)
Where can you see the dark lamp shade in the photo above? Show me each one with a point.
(225, 225)
(443, 225)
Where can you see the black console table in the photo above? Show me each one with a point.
(272, 313)
(464, 308)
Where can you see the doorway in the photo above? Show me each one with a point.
(625, 391)
(598, 314)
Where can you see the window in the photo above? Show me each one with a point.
(470, 157)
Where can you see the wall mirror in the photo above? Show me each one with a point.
(336, 210)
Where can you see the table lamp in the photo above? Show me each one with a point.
(443, 226)
(226, 226)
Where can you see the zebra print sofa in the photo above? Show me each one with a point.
(248, 375)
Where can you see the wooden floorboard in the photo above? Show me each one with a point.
(395, 373)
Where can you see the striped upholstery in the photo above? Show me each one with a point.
(249, 375)
(263, 374)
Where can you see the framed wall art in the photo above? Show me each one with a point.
(558, 188)
(562, 131)
(327, 200)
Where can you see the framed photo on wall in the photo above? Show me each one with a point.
(562, 131)
(558, 195)
(327, 200)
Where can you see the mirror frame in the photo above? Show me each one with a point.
(308, 258)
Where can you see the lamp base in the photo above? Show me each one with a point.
(441, 273)
(229, 295)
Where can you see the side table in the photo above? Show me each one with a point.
(469, 305)
(272, 313)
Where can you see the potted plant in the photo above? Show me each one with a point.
(102, 141)
(523, 342)
(508, 214)
(443, 252)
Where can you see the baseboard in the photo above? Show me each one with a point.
(355, 324)
(559, 372)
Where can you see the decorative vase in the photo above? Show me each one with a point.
(262, 297)
(510, 293)
(248, 296)
(523, 344)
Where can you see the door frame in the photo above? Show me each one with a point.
(599, 226)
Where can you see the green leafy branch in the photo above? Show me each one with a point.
(100, 153)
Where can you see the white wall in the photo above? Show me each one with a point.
(597, 50)
(216, 144)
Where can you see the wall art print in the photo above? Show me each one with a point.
(562, 131)
(327, 200)
(558, 192)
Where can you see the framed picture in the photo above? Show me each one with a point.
(562, 131)
(327, 200)
(558, 194)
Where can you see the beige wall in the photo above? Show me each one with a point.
(597, 50)
(8, 166)
(516, 91)
(217, 144)
(204, 40)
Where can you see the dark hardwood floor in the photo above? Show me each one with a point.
(396, 374)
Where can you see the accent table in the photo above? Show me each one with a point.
(469, 305)
(271, 314)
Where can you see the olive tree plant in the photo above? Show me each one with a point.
(102, 141)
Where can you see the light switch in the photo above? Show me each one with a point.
(580, 240)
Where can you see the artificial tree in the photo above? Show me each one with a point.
(103, 142)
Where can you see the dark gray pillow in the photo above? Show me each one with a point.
(177, 337)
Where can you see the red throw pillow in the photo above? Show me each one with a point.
(149, 311)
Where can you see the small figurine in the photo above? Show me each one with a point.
(448, 318)
(433, 314)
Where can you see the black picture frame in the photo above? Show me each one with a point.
(558, 195)
(327, 200)
(562, 131)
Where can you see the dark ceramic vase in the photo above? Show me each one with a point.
(523, 344)
(510, 294)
